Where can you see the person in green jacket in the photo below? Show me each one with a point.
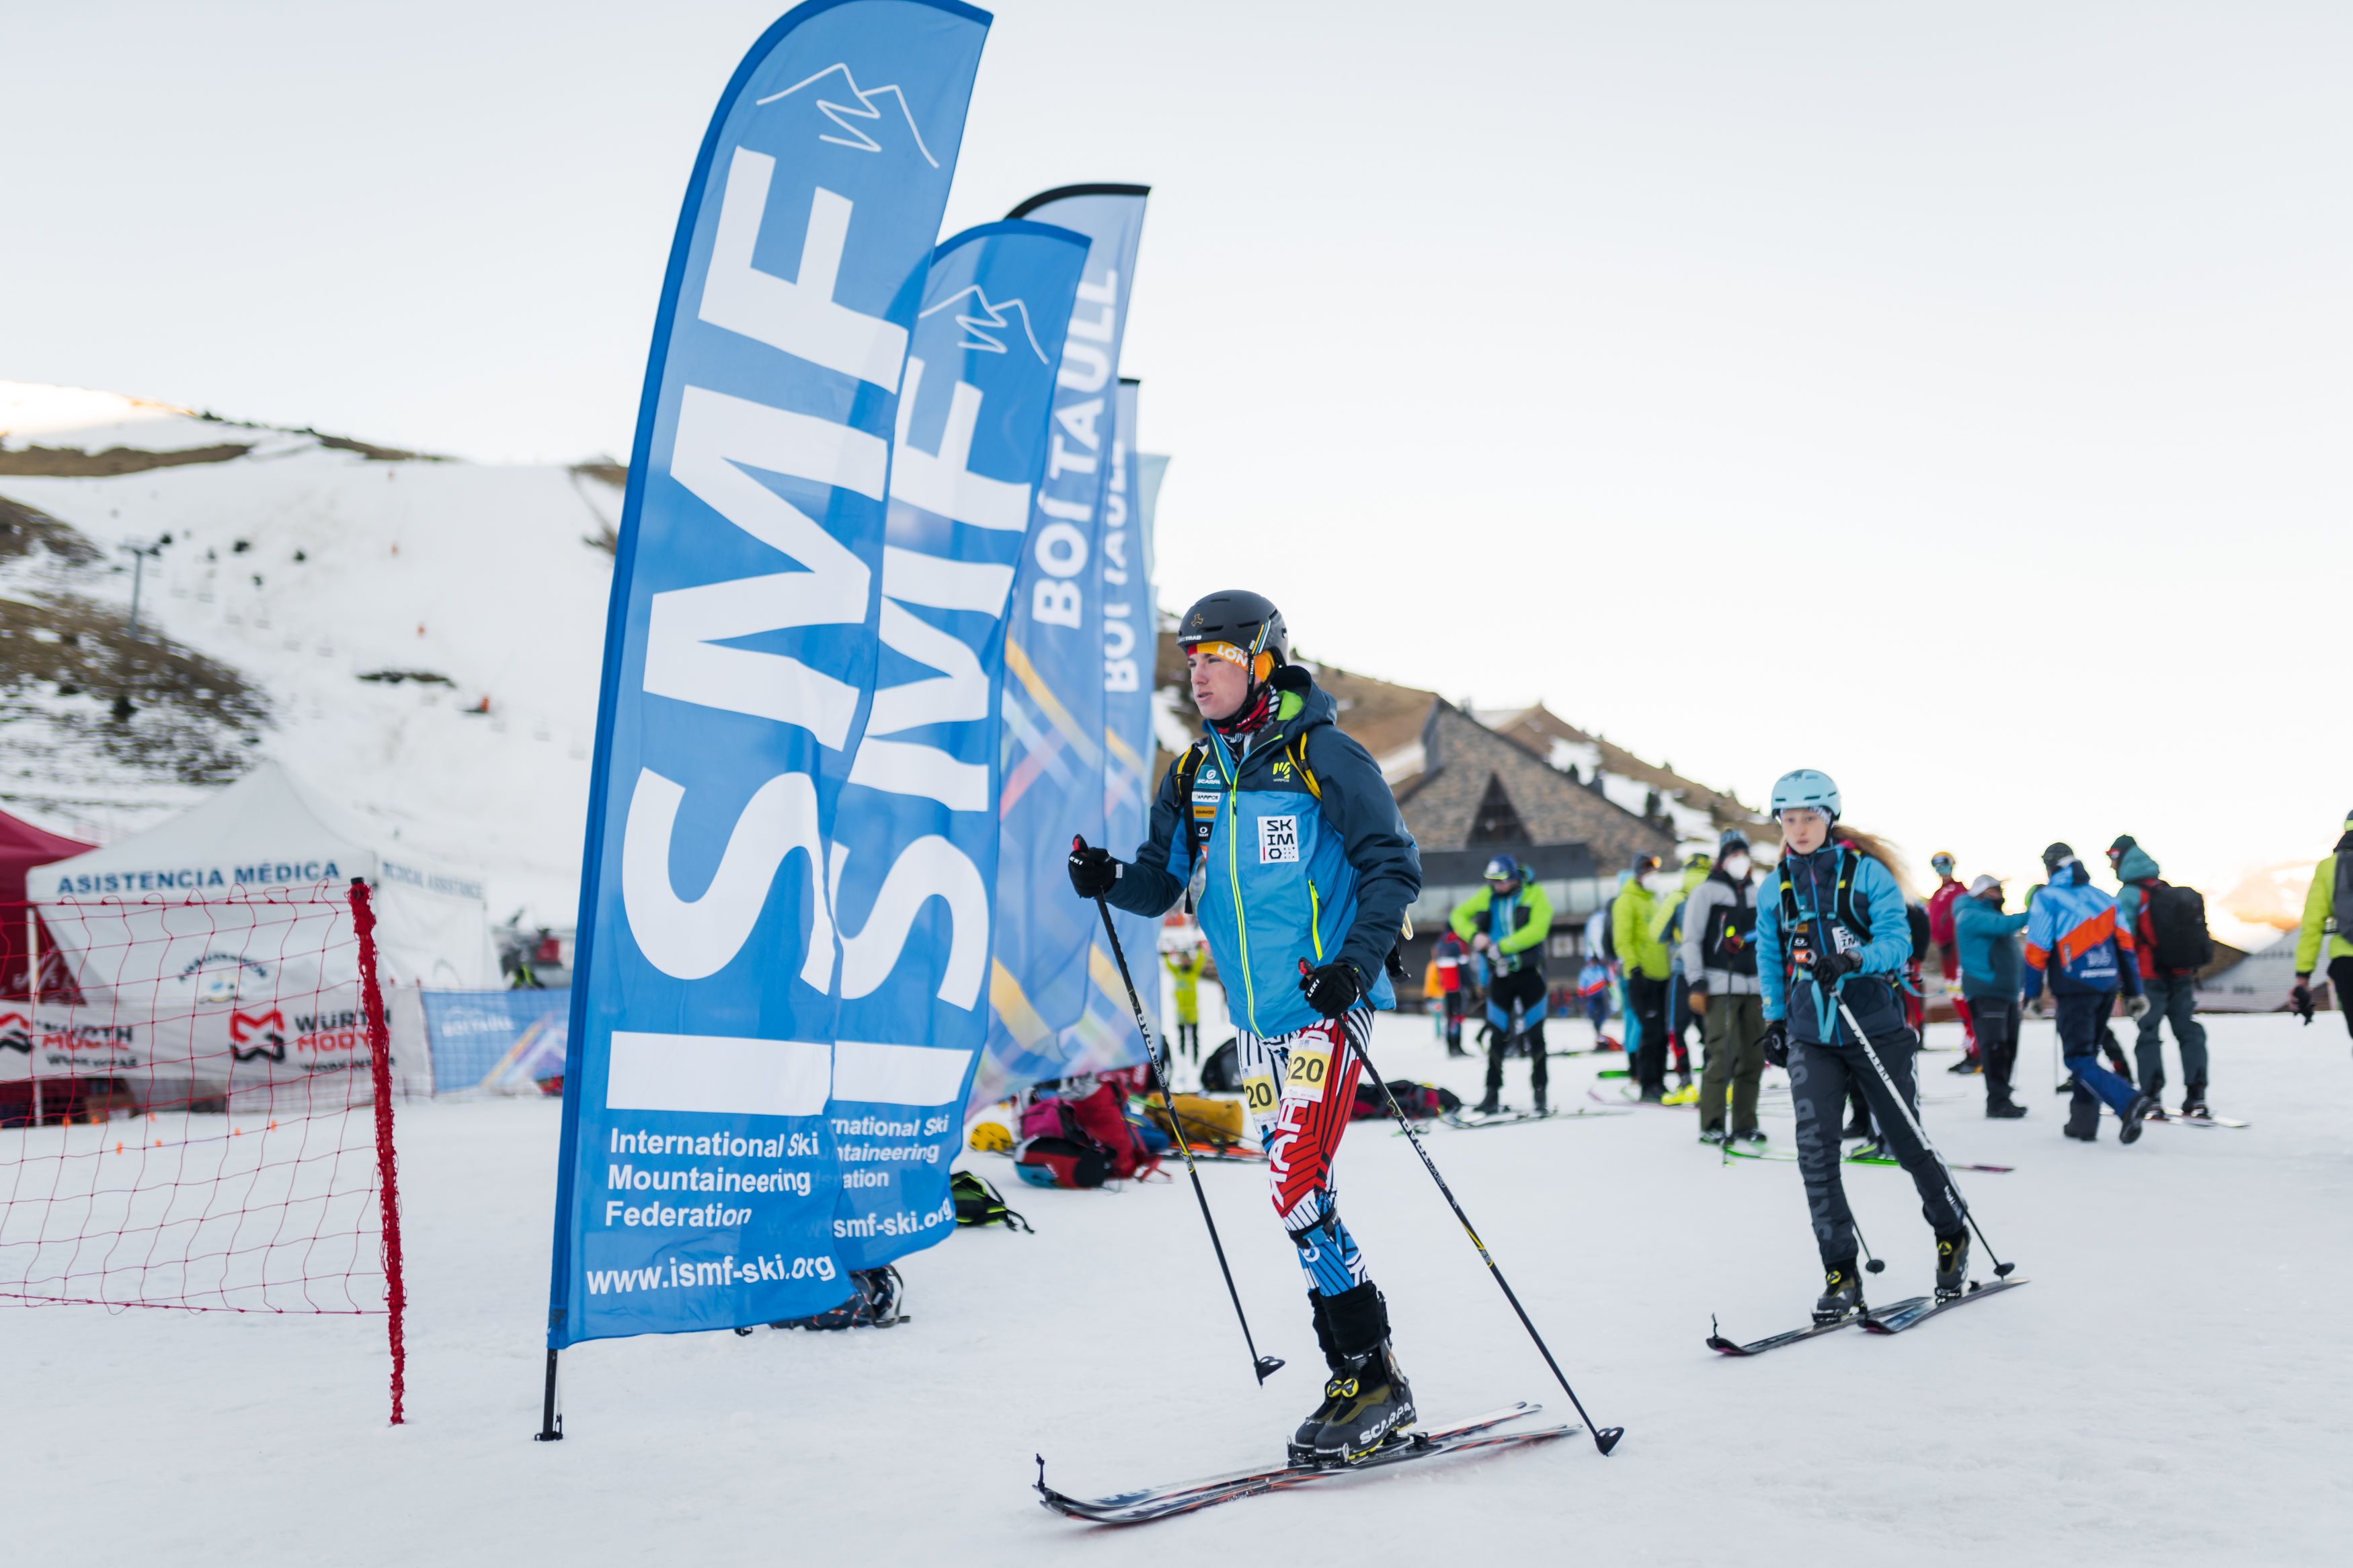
(1187, 965)
(1646, 965)
(1506, 922)
(2328, 916)
(1667, 925)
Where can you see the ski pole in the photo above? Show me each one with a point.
(2001, 1270)
(1871, 1264)
(1604, 1437)
(1265, 1366)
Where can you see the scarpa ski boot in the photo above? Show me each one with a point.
(1952, 1265)
(1367, 1402)
(1841, 1294)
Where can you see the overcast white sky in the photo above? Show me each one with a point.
(1953, 398)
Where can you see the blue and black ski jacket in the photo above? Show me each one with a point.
(1306, 857)
(1832, 896)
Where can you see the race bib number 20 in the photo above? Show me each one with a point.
(1309, 1069)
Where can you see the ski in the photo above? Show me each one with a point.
(2175, 1119)
(1237, 1153)
(1148, 1503)
(1471, 1122)
(1790, 1154)
(1920, 1309)
(1722, 1346)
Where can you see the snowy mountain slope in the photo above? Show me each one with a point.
(373, 606)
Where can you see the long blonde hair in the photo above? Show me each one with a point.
(1876, 849)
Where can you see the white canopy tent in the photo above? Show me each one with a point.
(262, 834)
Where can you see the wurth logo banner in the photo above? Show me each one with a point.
(748, 620)
(204, 1049)
(1049, 944)
(914, 852)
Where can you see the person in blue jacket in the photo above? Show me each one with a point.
(1985, 942)
(1308, 865)
(1832, 937)
(2072, 934)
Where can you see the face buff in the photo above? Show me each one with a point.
(1258, 703)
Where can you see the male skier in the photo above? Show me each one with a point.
(2072, 933)
(1306, 858)
(1506, 922)
(1832, 937)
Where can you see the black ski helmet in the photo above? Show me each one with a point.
(2058, 855)
(1247, 620)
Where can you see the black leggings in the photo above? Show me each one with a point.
(2340, 980)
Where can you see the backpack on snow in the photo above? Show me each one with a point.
(977, 1204)
(1221, 1070)
(2176, 919)
(1421, 1102)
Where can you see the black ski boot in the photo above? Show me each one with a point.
(1753, 1135)
(1368, 1401)
(2005, 1108)
(1490, 1106)
(2193, 1103)
(873, 1304)
(1541, 1108)
(1712, 1135)
(1952, 1264)
(2135, 1114)
(1841, 1294)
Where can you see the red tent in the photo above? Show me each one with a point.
(22, 848)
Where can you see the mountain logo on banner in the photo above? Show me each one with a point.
(16, 1033)
(852, 137)
(269, 1025)
(217, 976)
(985, 318)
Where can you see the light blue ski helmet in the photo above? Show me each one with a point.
(1807, 787)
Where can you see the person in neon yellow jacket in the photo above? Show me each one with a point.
(1187, 966)
(1506, 922)
(1646, 963)
(2328, 914)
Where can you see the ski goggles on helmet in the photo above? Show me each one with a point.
(1941, 863)
(1260, 665)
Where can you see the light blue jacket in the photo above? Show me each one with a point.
(1988, 941)
(1812, 1014)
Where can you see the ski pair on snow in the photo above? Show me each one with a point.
(1148, 1503)
(1893, 1318)
(1864, 1159)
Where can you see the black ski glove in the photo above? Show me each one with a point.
(1830, 967)
(1331, 990)
(1093, 870)
(1775, 1041)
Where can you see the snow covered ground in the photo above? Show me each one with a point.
(2172, 1387)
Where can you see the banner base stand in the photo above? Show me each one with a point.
(551, 1424)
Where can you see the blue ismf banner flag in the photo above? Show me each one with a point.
(1048, 957)
(915, 844)
(697, 1185)
(1131, 647)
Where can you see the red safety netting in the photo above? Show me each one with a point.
(195, 1108)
